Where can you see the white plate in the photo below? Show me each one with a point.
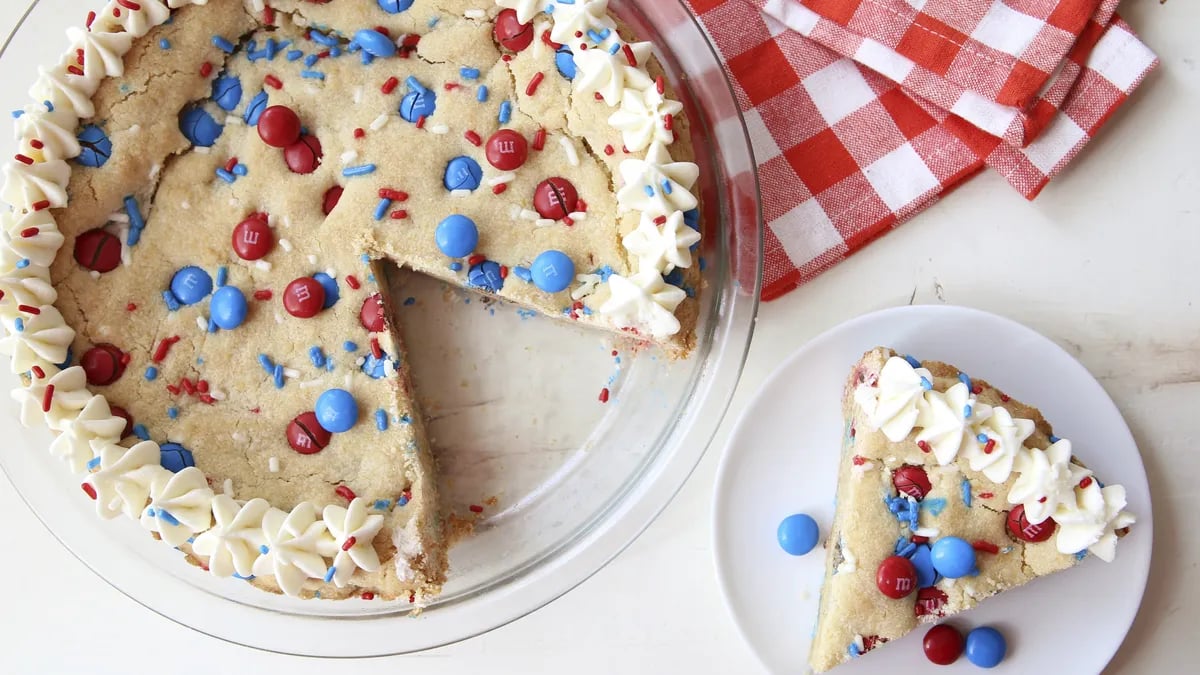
(782, 459)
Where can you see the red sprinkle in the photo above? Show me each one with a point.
(499, 188)
(989, 447)
(349, 543)
(662, 220)
(202, 386)
(608, 150)
(629, 56)
(173, 389)
(42, 205)
(264, 294)
(598, 96)
(475, 508)
(229, 166)
(268, 15)
(986, 495)
(504, 271)
(547, 40)
(38, 372)
(473, 138)
(91, 18)
(164, 346)
(131, 307)
(36, 144)
(394, 195)
(539, 139)
(47, 397)
(376, 350)
(661, 85)
(28, 309)
(352, 281)
(668, 121)
(918, 539)
(273, 81)
(359, 133)
(421, 122)
(345, 493)
(30, 232)
(390, 85)
(368, 596)
(23, 159)
(923, 445)
(1087, 480)
(206, 69)
(451, 86)
(604, 395)
(130, 5)
(985, 546)
(1005, 398)
(475, 260)
(88, 490)
(187, 386)
(398, 214)
(532, 87)
(858, 460)
(75, 70)
(977, 390)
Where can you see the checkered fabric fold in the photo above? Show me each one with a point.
(864, 112)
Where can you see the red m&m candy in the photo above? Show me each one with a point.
(507, 150)
(896, 577)
(103, 364)
(1020, 527)
(304, 297)
(118, 411)
(253, 238)
(371, 314)
(330, 201)
(943, 644)
(912, 481)
(305, 434)
(555, 198)
(98, 250)
(303, 156)
(511, 33)
(279, 126)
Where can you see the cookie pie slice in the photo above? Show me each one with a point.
(949, 492)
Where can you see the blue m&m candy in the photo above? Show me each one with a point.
(486, 275)
(798, 534)
(199, 127)
(174, 457)
(191, 285)
(462, 173)
(953, 557)
(337, 411)
(986, 647)
(375, 43)
(564, 59)
(227, 91)
(457, 236)
(922, 559)
(552, 271)
(394, 6)
(95, 147)
(255, 108)
(417, 104)
(228, 307)
(331, 289)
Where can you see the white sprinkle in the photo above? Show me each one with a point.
(312, 89)
(154, 171)
(228, 487)
(577, 215)
(569, 148)
(291, 373)
(360, 361)
(263, 265)
(233, 201)
(105, 330)
(299, 20)
(185, 205)
(201, 323)
(389, 368)
(349, 156)
(460, 193)
(530, 215)
(217, 394)
(312, 260)
(287, 220)
(587, 286)
(310, 384)
(439, 129)
(931, 532)
(543, 222)
(502, 178)
(358, 91)
(272, 220)
(285, 245)
(514, 211)
(474, 13)
(94, 274)
(278, 317)
(259, 5)
(119, 217)
(201, 149)
(348, 380)
(238, 437)
(380, 122)
(135, 128)
(273, 464)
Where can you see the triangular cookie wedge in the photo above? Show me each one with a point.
(929, 455)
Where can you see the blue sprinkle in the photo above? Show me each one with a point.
(222, 44)
(278, 376)
(1054, 439)
(293, 54)
(962, 377)
(225, 175)
(381, 422)
(164, 43)
(968, 410)
(139, 430)
(596, 37)
(323, 39)
(151, 373)
(49, 106)
(312, 74)
(212, 325)
(982, 438)
(649, 191)
(456, 266)
(405, 419)
(166, 515)
(93, 463)
(265, 362)
(350, 346)
(382, 208)
(409, 301)
(912, 361)
(469, 73)
(666, 186)
(136, 222)
(310, 60)
(222, 275)
(402, 500)
(16, 114)
(335, 51)
(22, 263)
(926, 384)
(482, 94)
(966, 492)
(935, 505)
(19, 324)
(173, 412)
(505, 112)
(238, 576)
(317, 357)
(1081, 554)
(329, 574)
(240, 169)
(358, 170)
(263, 549)
(382, 504)
(854, 650)
(523, 273)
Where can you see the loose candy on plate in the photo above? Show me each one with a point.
(943, 644)
(986, 647)
(798, 534)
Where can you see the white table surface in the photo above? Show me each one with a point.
(1106, 262)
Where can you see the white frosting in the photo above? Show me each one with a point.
(407, 540)
(180, 505)
(234, 542)
(54, 130)
(581, 16)
(353, 530)
(123, 483)
(891, 405)
(95, 426)
(44, 340)
(662, 247)
(28, 285)
(39, 249)
(657, 185)
(69, 397)
(945, 426)
(136, 22)
(642, 118)
(1008, 433)
(297, 545)
(28, 184)
(525, 9)
(59, 87)
(1047, 478)
(103, 54)
(610, 74)
(643, 301)
(1090, 520)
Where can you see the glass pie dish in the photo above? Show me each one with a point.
(568, 481)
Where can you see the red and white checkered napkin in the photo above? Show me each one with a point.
(864, 112)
